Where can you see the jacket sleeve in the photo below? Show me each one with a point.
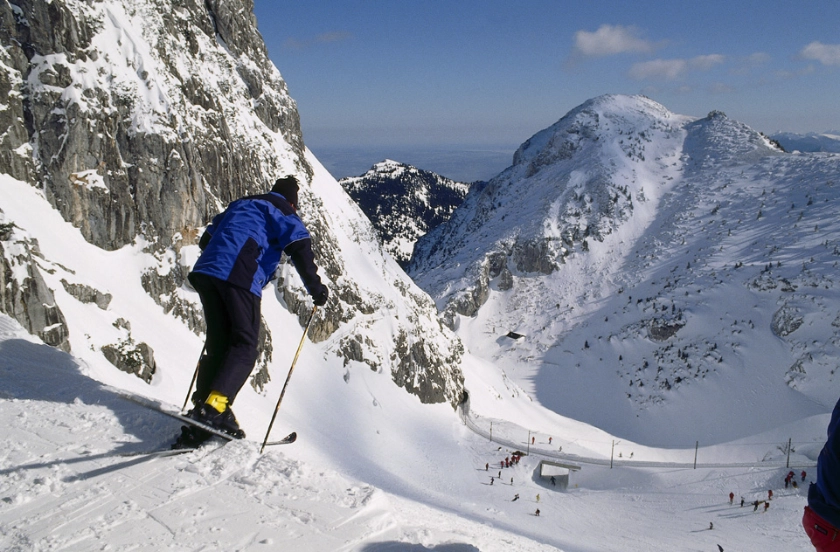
(303, 258)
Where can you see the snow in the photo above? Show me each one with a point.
(373, 469)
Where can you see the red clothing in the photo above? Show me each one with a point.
(824, 536)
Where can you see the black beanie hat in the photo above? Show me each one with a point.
(287, 186)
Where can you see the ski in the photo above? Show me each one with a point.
(158, 407)
(287, 440)
(172, 413)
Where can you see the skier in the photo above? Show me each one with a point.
(755, 506)
(487, 466)
(803, 476)
(537, 513)
(742, 502)
(766, 505)
(821, 519)
(770, 494)
(515, 498)
(538, 498)
(240, 252)
(731, 497)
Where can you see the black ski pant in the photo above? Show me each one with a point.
(232, 315)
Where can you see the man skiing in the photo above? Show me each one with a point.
(241, 250)
(822, 514)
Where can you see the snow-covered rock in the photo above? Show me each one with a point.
(404, 203)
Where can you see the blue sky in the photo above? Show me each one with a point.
(457, 73)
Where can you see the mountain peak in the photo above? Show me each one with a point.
(404, 202)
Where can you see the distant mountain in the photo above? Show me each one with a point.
(670, 264)
(404, 203)
(811, 142)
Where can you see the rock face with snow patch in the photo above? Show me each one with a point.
(23, 293)
(404, 203)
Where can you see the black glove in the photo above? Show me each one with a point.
(320, 297)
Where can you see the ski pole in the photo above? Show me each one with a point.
(195, 377)
(283, 392)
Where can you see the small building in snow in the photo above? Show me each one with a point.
(557, 473)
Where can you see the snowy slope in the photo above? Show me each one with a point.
(374, 469)
(678, 268)
(420, 484)
(810, 142)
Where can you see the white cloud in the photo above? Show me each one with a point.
(670, 69)
(609, 40)
(827, 54)
(706, 62)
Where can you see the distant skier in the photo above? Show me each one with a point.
(803, 476)
(553, 481)
(240, 252)
(720, 548)
(711, 526)
(742, 502)
(770, 494)
(491, 481)
(731, 497)
(515, 498)
(537, 513)
(766, 505)
(821, 519)
(538, 498)
(755, 506)
(487, 467)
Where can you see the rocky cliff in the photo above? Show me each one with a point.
(143, 119)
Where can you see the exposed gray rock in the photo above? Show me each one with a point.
(25, 296)
(785, 321)
(111, 163)
(134, 359)
(87, 294)
(661, 329)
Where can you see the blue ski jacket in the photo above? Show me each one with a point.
(244, 243)
(824, 495)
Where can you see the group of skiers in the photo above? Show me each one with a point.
(508, 462)
(790, 479)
